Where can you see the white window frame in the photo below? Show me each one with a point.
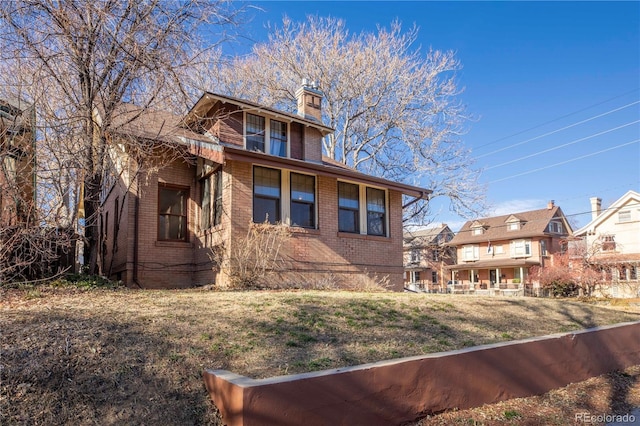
(470, 252)
(624, 216)
(520, 248)
(285, 195)
(267, 133)
(513, 226)
(415, 255)
(478, 230)
(362, 208)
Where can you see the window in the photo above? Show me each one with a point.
(278, 138)
(211, 206)
(266, 195)
(255, 133)
(477, 231)
(470, 252)
(513, 226)
(434, 277)
(555, 227)
(268, 136)
(172, 213)
(624, 216)
(376, 212)
(521, 248)
(435, 255)
(415, 255)
(303, 200)
(415, 276)
(543, 247)
(348, 207)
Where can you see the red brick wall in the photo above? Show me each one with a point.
(318, 253)
(164, 264)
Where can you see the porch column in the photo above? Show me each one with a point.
(521, 285)
(498, 279)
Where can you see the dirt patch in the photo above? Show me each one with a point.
(136, 357)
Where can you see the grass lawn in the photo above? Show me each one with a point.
(71, 356)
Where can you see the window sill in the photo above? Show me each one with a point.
(304, 231)
(363, 236)
(179, 244)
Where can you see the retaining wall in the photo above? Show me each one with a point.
(402, 390)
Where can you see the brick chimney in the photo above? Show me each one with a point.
(551, 204)
(596, 207)
(309, 101)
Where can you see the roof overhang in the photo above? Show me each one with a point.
(322, 169)
(494, 264)
(208, 100)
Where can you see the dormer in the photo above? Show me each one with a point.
(477, 228)
(514, 223)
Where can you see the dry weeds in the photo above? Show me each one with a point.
(136, 357)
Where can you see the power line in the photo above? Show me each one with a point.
(565, 162)
(557, 130)
(563, 145)
(557, 119)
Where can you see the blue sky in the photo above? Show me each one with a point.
(554, 89)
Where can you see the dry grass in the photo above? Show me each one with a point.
(134, 357)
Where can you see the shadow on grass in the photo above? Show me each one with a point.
(57, 368)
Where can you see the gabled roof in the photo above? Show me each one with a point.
(427, 235)
(630, 197)
(209, 99)
(534, 223)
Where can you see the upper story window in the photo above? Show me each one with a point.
(348, 207)
(255, 133)
(264, 135)
(543, 247)
(477, 231)
(624, 216)
(376, 212)
(415, 255)
(513, 226)
(470, 252)
(521, 248)
(555, 227)
(435, 255)
(172, 213)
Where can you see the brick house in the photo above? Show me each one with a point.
(17, 159)
(426, 255)
(610, 243)
(247, 163)
(494, 254)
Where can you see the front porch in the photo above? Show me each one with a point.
(492, 278)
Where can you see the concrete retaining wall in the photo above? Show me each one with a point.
(402, 390)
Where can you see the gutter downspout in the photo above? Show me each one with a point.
(423, 195)
(136, 227)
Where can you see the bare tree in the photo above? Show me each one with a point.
(87, 58)
(394, 108)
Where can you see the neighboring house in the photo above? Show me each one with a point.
(426, 254)
(494, 254)
(611, 244)
(17, 159)
(249, 163)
